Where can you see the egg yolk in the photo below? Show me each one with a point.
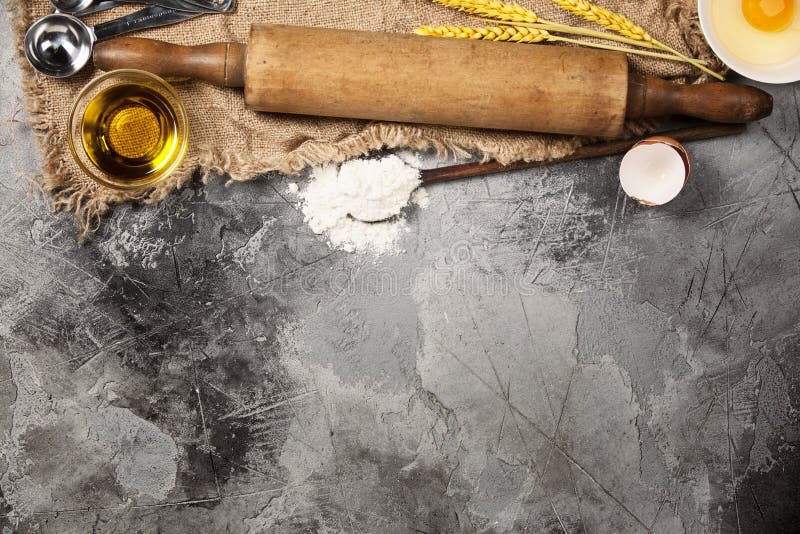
(768, 15)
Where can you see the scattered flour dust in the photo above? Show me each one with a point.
(368, 190)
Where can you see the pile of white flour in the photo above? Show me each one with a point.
(336, 201)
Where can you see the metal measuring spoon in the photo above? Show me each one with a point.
(218, 6)
(85, 7)
(80, 8)
(60, 45)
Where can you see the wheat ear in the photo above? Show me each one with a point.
(623, 26)
(629, 32)
(521, 34)
(494, 9)
(489, 33)
(586, 32)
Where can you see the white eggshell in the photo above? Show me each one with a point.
(653, 173)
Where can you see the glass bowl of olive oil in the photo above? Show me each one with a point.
(128, 129)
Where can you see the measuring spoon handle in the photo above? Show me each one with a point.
(199, 6)
(103, 5)
(208, 6)
(95, 7)
(149, 17)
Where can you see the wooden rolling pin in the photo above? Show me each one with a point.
(426, 80)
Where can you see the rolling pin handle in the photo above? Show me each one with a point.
(217, 63)
(716, 102)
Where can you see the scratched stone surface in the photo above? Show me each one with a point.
(546, 356)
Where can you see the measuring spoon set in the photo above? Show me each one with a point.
(84, 7)
(60, 45)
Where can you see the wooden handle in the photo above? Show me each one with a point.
(717, 102)
(217, 63)
(470, 170)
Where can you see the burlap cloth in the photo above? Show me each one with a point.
(229, 138)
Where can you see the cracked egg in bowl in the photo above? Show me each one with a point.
(759, 39)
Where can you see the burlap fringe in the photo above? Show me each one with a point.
(684, 12)
(89, 202)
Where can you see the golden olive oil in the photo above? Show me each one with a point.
(129, 131)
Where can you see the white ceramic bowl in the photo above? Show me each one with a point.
(787, 72)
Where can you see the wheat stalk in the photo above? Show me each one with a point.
(606, 18)
(493, 9)
(623, 26)
(559, 28)
(586, 32)
(489, 33)
(522, 34)
(629, 32)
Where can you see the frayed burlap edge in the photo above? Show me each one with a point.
(88, 203)
(684, 12)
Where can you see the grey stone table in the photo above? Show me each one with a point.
(546, 355)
